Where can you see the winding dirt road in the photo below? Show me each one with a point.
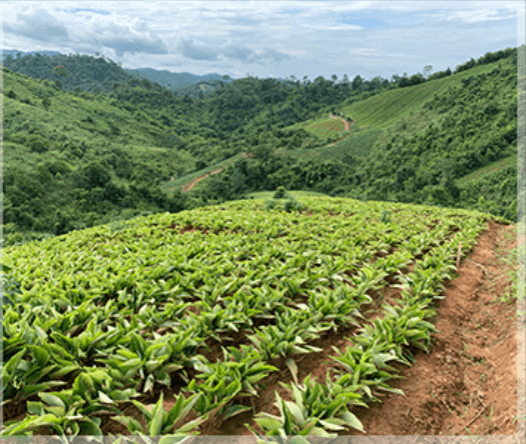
(186, 188)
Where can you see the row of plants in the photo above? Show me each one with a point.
(116, 301)
(320, 409)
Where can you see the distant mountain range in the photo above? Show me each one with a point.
(165, 78)
(172, 80)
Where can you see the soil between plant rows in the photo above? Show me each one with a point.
(469, 375)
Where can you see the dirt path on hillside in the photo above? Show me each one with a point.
(347, 125)
(186, 188)
(466, 385)
(345, 122)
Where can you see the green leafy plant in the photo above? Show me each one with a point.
(73, 411)
(143, 363)
(280, 193)
(315, 410)
(159, 422)
(10, 287)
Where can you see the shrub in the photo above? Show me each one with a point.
(270, 204)
(37, 143)
(292, 204)
(280, 193)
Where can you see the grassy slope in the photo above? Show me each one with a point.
(177, 183)
(65, 120)
(397, 110)
(385, 109)
(488, 169)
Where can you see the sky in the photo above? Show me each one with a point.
(269, 38)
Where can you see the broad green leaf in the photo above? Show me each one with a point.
(83, 384)
(158, 415)
(291, 364)
(31, 423)
(147, 413)
(132, 424)
(40, 354)
(233, 410)
(269, 423)
(192, 425)
(52, 400)
(35, 408)
(56, 410)
(330, 425)
(64, 371)
(352, 421)
(296, 412)
(12, 364)
(105, 398)
(88, 427)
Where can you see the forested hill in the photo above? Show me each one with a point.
(98, 74)
(86, 73)
(73, 159)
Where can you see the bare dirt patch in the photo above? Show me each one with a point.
(467, 384)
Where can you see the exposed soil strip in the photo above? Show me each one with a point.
(470, 372)
(347, 127)
(186, 188)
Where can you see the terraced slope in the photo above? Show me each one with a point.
(203, 311)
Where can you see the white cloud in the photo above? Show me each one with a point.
(262, 37)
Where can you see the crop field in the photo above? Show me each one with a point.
(326, 128)
(384, 110)
(163, 323)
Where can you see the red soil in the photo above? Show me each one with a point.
(186, 188)
(348, 126)
(470, 373)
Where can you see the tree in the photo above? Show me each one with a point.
(46, 102)
(345, 79)
(427, 70)
(357, 82)
(334, 78)
(60, 71)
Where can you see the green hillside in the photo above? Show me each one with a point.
(73, 159)
(199, 308)
(420, 143)
(491, 168)
(76, 153)
(87, 73)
